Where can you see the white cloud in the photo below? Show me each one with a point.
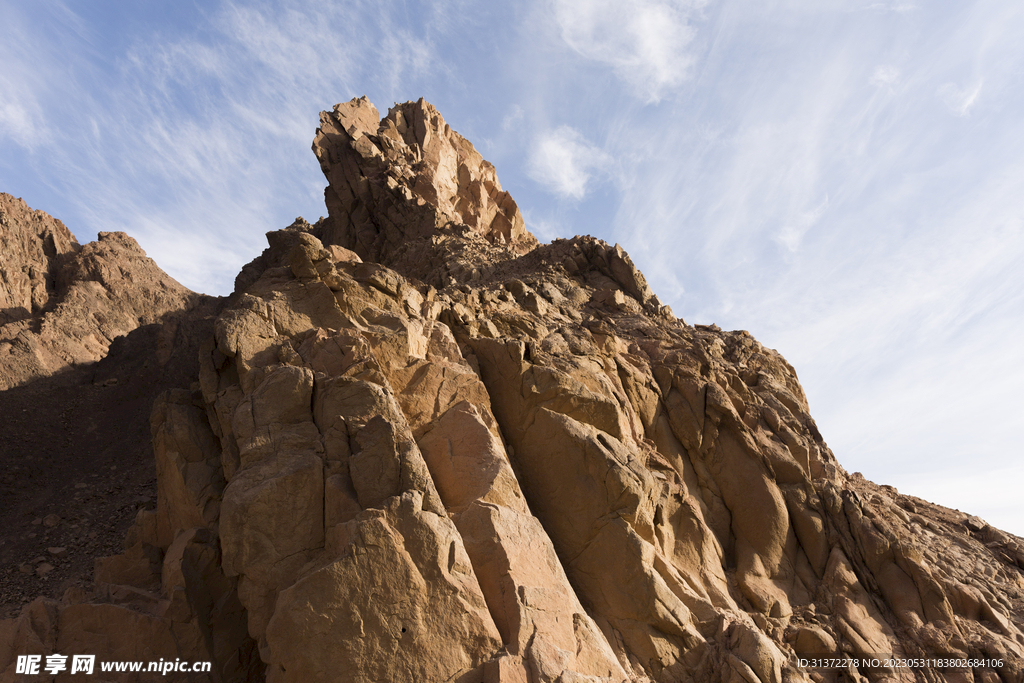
(646, 42)
(563, 161)
(885, 76)
(16, 123)
(898, 299)
(792, 233)
(960, 100)
(512, 119)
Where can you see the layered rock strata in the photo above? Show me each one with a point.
(505, 462)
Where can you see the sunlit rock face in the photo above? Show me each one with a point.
(423, 447)
(407, 190)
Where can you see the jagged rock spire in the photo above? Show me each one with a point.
(407, 191)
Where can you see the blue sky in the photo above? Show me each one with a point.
(843, 179)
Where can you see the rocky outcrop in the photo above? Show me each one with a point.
(62, 304)
(534, 473)
(31, 243)
(408, 190)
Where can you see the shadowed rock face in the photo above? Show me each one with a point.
(62, 304)
(476, 458)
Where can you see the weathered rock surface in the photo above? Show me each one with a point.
(62, 304)
(505, 462)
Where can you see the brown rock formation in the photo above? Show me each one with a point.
(31, 244)
(407, 189)
(62, 304)
(504, 462)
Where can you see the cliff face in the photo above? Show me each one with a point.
(425, 448)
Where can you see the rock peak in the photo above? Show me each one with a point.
(407, 191)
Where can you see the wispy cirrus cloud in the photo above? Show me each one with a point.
(203, 133)
(842, 179)
(820, 194)
(24, 64)
(960, 100)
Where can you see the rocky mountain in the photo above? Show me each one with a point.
(423, 447)
(62, 304)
